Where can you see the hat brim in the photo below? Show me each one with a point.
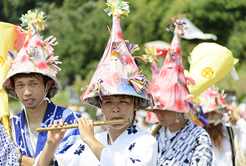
(94, 100)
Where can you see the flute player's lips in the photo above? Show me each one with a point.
(116, 118)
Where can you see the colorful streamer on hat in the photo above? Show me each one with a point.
(50, 41)
(151, 54)
(53, 59)
(12, 57)
(199, 118)
(115, 50)
(139, 82)
(116, 7)
(97, 88)
(178, 27)
(132, 48)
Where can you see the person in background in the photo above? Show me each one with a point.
(84, 113)
(141, 119)
(242, 108)
(113, 90)
(228, 142)
(32, 80)
(180, 141)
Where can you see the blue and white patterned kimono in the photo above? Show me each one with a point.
(132, 148)
(191, 145)
(21, 136)
(8, 152)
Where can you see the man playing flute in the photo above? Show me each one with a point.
(119, 90)
(32, 80)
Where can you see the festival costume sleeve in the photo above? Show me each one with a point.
(78, 154)
(72, 135)
(8, 153)
(143, 152)
(241, 123)
(53, 112)
(202, 152)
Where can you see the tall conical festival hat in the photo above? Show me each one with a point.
(117, 72)
(8, 35)
(170, 90)
(35, 55)
(213, 100)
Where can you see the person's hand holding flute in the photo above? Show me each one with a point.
(57, 132)
(99, 123)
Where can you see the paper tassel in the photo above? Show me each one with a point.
(117, 7)
(139, 83)
(151, 54)
(35, 21)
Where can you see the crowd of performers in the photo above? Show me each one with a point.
(189, 129)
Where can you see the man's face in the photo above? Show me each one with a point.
(166, 118)
(117, 107)
(30, 90)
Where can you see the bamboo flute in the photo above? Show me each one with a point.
(156, 129)
(99, 123)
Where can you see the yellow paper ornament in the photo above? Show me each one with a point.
(210, 62)
(8, 36)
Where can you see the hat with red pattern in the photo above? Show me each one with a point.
(213, 100)
(169, 89)
(35, 55)
(117, 73)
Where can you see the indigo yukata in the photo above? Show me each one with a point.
(190, 146)
(8, 152)
(21, 135)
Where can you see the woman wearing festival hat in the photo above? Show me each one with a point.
(228, 142)
(32, 80)
(180, 141)
(119, 90)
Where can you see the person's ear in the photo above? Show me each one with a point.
(49, 83)
(136, 103)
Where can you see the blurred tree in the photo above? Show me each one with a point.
(81, 30)
(11, 10)
(80, 27)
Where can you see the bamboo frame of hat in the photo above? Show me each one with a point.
(99, 123)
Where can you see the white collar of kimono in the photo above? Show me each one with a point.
(28, 125)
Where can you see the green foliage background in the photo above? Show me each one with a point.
(80, 27)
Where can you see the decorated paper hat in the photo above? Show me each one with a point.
(210, 62)
(117, 72)
(198, 118)
(212, 100)
(35, 55)
(169, 90)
